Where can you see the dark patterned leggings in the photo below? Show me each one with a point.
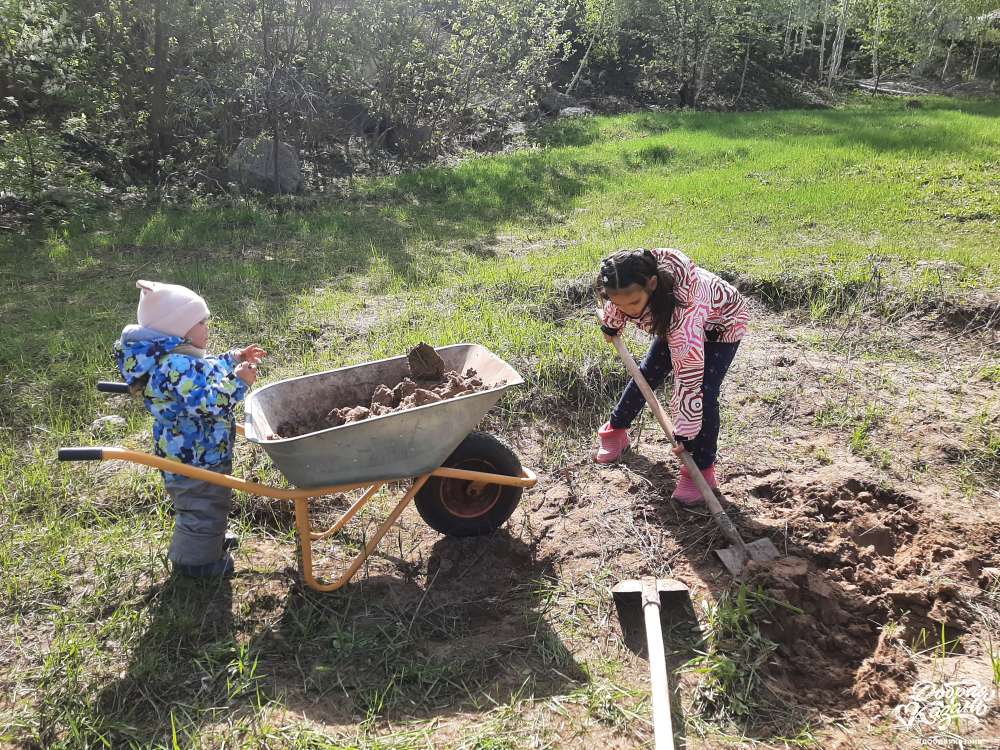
(655, 367)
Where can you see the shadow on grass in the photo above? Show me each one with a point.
(187, 661)
(380, 650)
(386, 649)
(255, 262)
(433, 208)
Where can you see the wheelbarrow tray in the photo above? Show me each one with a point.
(393, 446)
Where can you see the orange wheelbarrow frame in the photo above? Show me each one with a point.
(303, 522)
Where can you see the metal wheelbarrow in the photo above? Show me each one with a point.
(465, 483)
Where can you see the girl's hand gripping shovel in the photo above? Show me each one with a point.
(736, 557)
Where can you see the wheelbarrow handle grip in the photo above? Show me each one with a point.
(81, 454)
(109, 386)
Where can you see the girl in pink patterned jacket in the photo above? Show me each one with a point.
(697, 321)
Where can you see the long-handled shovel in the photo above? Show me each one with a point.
(638, 603)
(736, 557)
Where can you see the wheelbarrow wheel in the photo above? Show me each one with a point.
(458, 507)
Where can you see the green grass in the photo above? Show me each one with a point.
(732, 657)
(979, 460)
(731, 692)
(859, 421)
(824, 209)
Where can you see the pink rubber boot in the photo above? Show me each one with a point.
(612, 444)
(686, 493)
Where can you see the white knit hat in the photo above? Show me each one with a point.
(169, 308)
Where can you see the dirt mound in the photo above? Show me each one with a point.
(868, 580)
(428, 385)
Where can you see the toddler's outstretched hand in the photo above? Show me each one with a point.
(252, 354)
(246, 372)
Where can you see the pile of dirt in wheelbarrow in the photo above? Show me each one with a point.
(428, 383)
(870, 579)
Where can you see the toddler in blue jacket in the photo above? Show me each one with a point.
(191, 396)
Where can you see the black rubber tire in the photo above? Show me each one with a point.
(447, 506)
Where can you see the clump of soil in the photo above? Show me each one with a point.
(428, 383)
(424, 362)
(866, 582)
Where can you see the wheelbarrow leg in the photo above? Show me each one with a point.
(304, 530)
(360, 503)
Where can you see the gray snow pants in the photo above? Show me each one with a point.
(202, 512)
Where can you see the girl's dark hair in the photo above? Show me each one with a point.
(628, 267)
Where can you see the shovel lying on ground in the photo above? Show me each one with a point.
(736, 557)
(638, 604)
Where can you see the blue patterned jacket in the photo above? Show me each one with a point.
(191, 399)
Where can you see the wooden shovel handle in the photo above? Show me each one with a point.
(725, 524)
(663, 730)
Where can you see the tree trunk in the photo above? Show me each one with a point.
(28, 136)
(947, 59)
(274, 159)
(788, 34)
(32, 168)
(704, 62)
(804, 29)
(922, 66)
(743, 75)
(838, 44)
(686, 66)
(583, 63)
(156, 105)
(822, 41)
(586, 54)
(876, 68)
(275, 123)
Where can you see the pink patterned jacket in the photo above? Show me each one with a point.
(708, 307)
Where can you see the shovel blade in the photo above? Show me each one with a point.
(759, 550)
(675, 606)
